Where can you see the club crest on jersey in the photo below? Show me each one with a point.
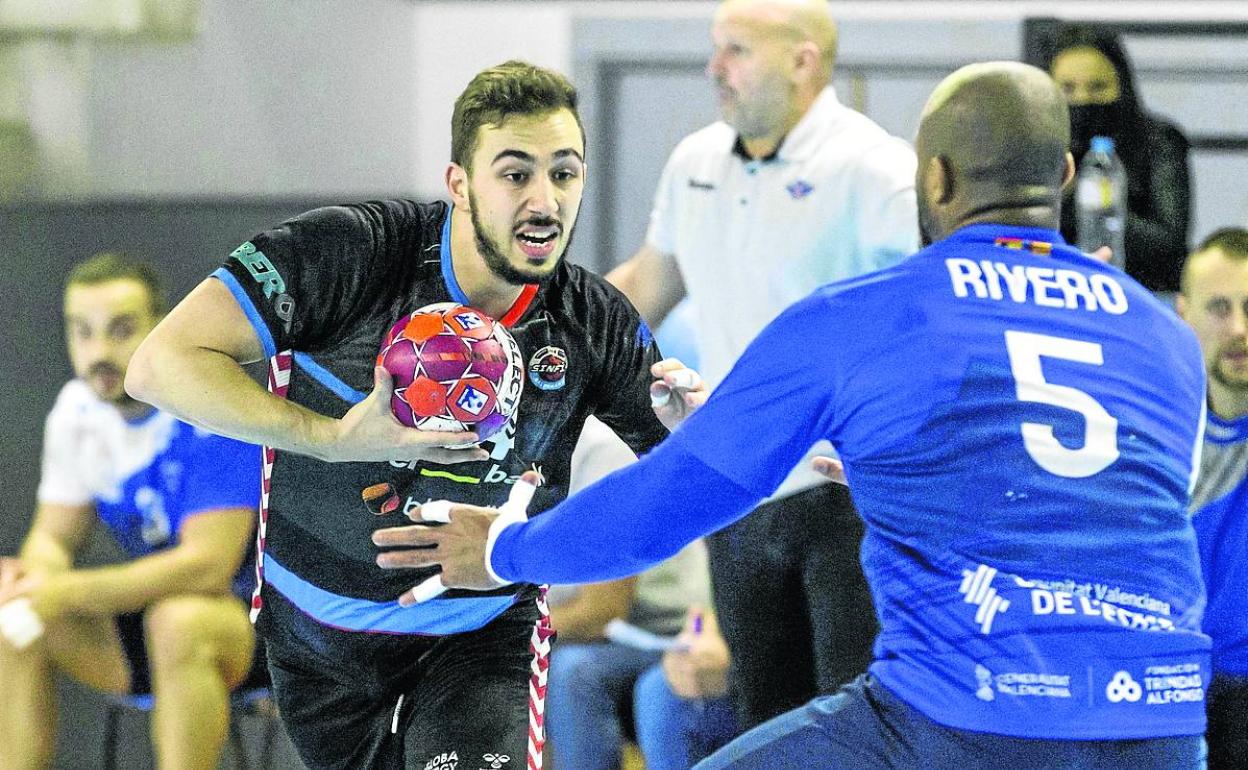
(548, 368)
(799, 189)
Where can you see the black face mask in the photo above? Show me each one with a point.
(1089, 120)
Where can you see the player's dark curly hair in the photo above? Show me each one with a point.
(115, 266)
(511, 88)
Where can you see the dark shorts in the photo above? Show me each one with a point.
(866, 727)
(134, 646)
(354, 700)
(1228, 723)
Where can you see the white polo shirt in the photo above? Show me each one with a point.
(751, 237)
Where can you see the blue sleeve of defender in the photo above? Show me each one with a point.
(725, 458)
(223, 473)
(626, 522)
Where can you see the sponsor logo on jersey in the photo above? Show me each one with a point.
(448, 760)
(497, 761)
(1122, 687)
(265, 274)
(983, 681)
(977, 589)
(1179, 683)
(698, 184)
(1020, 684)
(380, 498)
(548, 368)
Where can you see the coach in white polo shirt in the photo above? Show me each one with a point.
(790, 191)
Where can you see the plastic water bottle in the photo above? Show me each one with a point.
(1101, 201)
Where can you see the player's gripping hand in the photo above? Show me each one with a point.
(369, 431)
(460, 546)
(677, 391)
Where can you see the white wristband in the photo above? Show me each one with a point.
(514, 511)
(19, 623)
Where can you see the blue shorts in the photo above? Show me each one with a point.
(864, 727)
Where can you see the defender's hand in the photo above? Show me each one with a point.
(677, 391)
(461, 546)
(369, 431)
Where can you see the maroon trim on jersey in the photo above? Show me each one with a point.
(279, 381)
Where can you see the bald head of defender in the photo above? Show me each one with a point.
(993, 146)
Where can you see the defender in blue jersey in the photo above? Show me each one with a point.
(1018, 424)
(1214, 301)
(170, 620)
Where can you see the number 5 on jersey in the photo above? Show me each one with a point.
(1100, 433)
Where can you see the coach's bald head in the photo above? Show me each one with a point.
(992, 147)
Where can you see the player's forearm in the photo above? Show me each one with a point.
(137, 584)
(209, 389)
(44, 553)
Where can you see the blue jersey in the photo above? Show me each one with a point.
(144, 477)
(1220, 515)
(1018, 425)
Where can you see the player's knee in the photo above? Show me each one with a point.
(188, 631)
(12, 658)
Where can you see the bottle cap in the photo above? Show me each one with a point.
(1102, 144)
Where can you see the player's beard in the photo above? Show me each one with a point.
(1235, 383)
(492, 253)
(119, 399)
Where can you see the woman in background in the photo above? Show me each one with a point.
(1092, 69)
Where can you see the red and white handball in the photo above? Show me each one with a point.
(454, 368)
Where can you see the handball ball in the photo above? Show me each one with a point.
(454, 368)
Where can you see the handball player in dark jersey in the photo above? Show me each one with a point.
(361, 680)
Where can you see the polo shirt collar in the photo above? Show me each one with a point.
(800, 143)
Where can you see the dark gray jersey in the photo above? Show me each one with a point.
(327, 285)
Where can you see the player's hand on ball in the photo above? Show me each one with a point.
(370, 432)
(677, 391)
(460, 546)
(830, 468)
